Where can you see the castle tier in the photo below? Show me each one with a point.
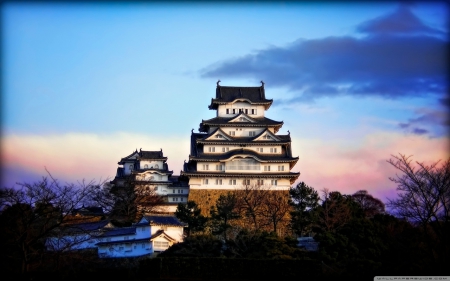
(148, 169)
(240, 146)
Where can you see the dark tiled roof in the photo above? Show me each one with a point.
(224, 94)
(120, 231)
(151, 155)
(142, 154)
(284, 139)
(98, 211)
(159, 233)
(163, 220)
(86, 227)
(222, 121)
(285, 155)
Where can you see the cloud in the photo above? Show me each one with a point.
(401, 21)
(347, 168)
(428, 117)
(408, 61)
(77, 156)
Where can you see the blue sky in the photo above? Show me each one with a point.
(86, 84)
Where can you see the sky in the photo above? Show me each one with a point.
(85, 84)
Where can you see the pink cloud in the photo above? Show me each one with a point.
(348, 168)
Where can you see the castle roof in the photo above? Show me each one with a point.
(253, 95)
(143, 154)
(225, 121)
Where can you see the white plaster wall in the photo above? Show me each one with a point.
(282, 184)
(222, 109)
(151, 164)
(129, 250)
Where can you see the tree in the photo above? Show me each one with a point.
(369, 205)
(423, 190)
(224, 212)
(190, 213)
(132, 201)
(335, 211)
(304, 200)
(275, 208)
(252, 198)
(33, 212)
(424, 199)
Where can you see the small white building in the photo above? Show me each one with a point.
(152, 234)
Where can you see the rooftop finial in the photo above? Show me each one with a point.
(192, 131)
(262, 83)
(289, 133)
(140, 149)
(218, 81)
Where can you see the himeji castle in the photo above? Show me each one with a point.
(238, 147)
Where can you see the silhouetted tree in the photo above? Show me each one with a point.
(424, 199)
(224, 212)
(304, 200)
(32, 212)
(190, 213)
(369, 205)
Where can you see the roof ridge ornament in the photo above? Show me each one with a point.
(262, 83)
(289, 133)
(218, 81)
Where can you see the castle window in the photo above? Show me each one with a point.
(131, 167)
(228, 111)
(252, 133)
(266, 168)
(231, 133)
(273, 150)
(218, 181)
(267, 137)
(234, 111)
(232, 182)
(246, 182)
(246, 111)
(274, 182)
(218, 167)
(212, 149)
(205, 167)
(260, 182)
(174, 191)
(219, 136)
(225, 149)
(260, 149)
(280, 168)
(205, 181)
(253, 111)
(145, 166)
